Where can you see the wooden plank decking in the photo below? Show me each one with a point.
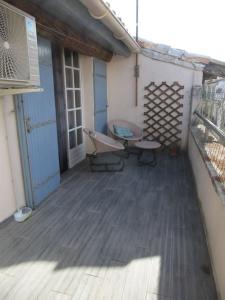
(130, 235)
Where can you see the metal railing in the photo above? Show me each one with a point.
(209, 130)
(213, 108)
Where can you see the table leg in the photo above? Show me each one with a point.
(152, 162)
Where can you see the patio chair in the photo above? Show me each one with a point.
(127, 132)
(104, 144)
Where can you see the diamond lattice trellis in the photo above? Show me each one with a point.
(163, 112)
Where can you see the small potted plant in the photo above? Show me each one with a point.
(174, 150)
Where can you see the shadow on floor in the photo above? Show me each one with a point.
(130, 235)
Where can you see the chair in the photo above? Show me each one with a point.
(136, 130)
(104, 144)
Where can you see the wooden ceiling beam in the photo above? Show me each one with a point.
(59, 32)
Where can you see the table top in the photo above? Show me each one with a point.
(147, 145)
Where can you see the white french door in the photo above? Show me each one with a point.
(74, 116)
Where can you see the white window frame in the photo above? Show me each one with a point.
(77, 153)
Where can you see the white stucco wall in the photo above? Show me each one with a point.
(11, 183)
(121, 87)
(213, 210)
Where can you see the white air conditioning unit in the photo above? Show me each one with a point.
(18, 49)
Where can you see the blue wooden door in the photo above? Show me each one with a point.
(100, 95)
(41, 131)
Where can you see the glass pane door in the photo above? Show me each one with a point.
(73, 106)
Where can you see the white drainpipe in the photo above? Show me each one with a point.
(14, 159)
(100, 11)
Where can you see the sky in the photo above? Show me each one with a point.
(196, 26)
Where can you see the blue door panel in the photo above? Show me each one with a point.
(101, 123)
(41, 194)
(40, 107)
(100, 96)
(43, 158)
(100, 67)
(40, 120)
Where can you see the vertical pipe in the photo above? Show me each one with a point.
(13, 151)
(137, 7)
(136, 57)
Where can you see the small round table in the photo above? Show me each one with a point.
(150, 146)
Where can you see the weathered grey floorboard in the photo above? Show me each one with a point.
(111, 236)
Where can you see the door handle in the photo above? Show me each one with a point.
(28, 125)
